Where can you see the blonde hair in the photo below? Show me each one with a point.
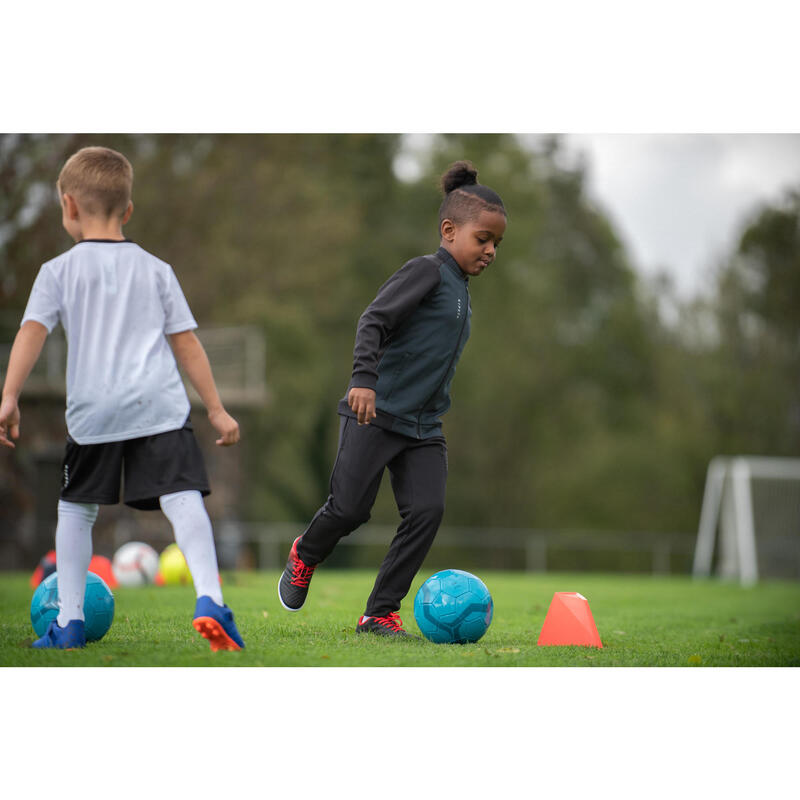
(99, 178)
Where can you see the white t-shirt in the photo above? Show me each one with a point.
(117, 303)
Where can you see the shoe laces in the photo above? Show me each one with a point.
(301, 574)
(391, 621)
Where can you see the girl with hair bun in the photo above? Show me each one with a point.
(408, 342)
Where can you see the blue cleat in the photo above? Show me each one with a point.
(216, 624)
(74, 635)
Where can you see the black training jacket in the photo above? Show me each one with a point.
(408, 342)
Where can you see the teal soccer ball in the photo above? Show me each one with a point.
(453, 606)
(98, 606)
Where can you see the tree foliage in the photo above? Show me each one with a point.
(574, 405)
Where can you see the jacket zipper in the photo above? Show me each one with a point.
(450, 364)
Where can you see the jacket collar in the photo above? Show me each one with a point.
(446, 258)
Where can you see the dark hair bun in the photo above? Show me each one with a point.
(462, 173)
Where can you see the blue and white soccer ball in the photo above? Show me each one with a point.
(98, 606)
(453, 606)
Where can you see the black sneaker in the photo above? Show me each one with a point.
(390, 625)
(293, 585)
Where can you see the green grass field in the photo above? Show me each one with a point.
(643, 621)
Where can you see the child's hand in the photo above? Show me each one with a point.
(362, 401)
(226, 426)
(9, 421)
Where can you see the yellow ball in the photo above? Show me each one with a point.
(173, 567)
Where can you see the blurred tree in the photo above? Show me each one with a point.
(769, 267)
(752, 371)
(555, 380)
(270, 230)
(575, 403)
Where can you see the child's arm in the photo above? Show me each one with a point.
(395, 302)
(26, 349)
(194, 361)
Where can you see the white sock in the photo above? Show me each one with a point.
(189, 519)
(73, 554)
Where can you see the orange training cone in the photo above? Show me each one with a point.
(569, 621)
(101, 567)
(45, 567)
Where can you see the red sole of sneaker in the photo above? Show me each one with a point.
(210, 629)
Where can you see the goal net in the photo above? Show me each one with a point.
(754, 503)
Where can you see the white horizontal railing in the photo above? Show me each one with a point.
(237, 354)
(271, 542)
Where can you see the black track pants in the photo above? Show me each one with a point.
(418, 471)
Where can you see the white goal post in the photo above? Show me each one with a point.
(755, 503)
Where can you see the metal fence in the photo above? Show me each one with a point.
(266, 545)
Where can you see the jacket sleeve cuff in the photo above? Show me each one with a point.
(363, 380)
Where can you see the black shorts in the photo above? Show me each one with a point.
(152, 466)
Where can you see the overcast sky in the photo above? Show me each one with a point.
(678, 200)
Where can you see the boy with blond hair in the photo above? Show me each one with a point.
(127, 322)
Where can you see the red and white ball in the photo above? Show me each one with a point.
(135, 564)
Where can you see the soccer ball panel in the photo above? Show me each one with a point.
(98, 606)
(430, 589)
(453, 606)
(44, 604)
